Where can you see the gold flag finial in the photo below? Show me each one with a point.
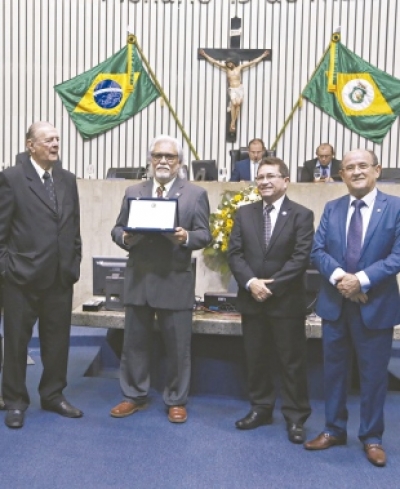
(131, 39)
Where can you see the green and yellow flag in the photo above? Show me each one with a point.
(108, 94)
(355, 93)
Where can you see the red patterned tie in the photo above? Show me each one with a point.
(160, 191)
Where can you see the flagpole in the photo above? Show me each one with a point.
(299, 100)
(133, 40)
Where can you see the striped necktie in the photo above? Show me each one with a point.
(267, 223)
(160, 191)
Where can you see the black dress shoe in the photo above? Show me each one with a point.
(295, 432)
(254, 419)
(64, 408)
(14, 418)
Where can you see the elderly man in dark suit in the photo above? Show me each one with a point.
(158, 280)
(246, 170)
(40, 254)
(269, 252)
(357, 252)
(323, 168)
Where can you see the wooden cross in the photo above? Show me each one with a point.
(232, 56)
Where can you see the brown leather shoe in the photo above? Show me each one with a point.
(375, 454)
(177, 414)
(126, 408)
(323, 441)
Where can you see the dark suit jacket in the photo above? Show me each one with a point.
(241, 171)
(159, 272)
(380, 260)
(285, 259)
(307, 173)
(35, 241)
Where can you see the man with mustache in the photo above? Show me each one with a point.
(158, 280)
(357, 252)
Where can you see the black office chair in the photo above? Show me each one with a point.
(127, 173)
(299, 170)
(237, 155)
(390, 175)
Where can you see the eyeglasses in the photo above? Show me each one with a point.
(324, 156)
(268, 177)
(159, 156)
(361, 167)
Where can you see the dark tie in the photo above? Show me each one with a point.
(49, 186)
(354, 237)
(160, 191)
(267, 223)
(324, 172)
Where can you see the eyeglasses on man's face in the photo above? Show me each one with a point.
(167, 156)
(268, 177)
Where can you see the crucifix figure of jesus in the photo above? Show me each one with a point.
(233, 70)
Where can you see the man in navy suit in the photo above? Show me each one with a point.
(325, 162)
(269, 251)
(246, 170)
(357, 252)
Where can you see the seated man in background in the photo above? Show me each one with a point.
(323, 168)
(247, 169)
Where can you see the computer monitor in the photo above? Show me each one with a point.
(204, 170)
(106, 266)
(126, 173)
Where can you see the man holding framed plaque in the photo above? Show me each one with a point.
(158, 276)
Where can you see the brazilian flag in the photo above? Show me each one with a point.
(358, 95)
(108, 94)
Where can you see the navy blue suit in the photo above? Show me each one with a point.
(241, 171)
(369, 327)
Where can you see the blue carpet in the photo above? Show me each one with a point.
(146, 451)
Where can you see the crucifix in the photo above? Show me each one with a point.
(233, 68)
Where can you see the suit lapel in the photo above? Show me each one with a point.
(146, 189)
(258, 220)
(36, 185)
(343, 208)
(177, 188)
(284, 214)
(380, 205)
(59, 187)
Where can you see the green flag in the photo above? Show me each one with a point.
(355, 93)
(108, 94)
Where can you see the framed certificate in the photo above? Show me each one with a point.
(156, 215)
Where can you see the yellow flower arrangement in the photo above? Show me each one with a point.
(221, 223)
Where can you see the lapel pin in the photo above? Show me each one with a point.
(378, 210)
(284, 213)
